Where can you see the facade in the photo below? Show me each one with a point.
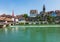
(2, 19)
(33, 13)
(32, 19)
(9, 20)
(54, 14)
(57, 12)
(6, 20)
(22, 21)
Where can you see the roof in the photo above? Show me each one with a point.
(8, 19)
(19, 16)
(2, 18)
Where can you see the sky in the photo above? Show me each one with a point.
(24, 6)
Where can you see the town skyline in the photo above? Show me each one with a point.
(24, 6)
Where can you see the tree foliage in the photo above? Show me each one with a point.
(25, 15)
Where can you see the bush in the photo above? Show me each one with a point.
(27, 23)
(21, 23)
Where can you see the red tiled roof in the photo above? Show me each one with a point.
(2, 18)
(8, 19)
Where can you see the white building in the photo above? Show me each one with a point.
(33, 13)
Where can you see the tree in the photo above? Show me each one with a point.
(25, 16)
(38, 17)
(49, 19)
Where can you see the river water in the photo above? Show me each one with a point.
(30, 34)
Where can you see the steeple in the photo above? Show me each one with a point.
(43, 8)
(13, 13)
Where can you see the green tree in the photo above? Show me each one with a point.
(50, 19)
(38, 17)
(25, 16)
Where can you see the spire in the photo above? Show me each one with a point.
(13, 13)
(43, 8)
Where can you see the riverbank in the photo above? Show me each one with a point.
(51, 25)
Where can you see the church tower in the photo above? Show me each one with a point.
(13, 13)
(44, 8)
(13, 18)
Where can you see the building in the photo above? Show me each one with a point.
(19, 16)
(32, 19)
(6, 20)
(43, 11)
(57, 12)
(2, 19)
(33, 13)
(44, 8)
(52, 13)
(22, 21)
(43, 14)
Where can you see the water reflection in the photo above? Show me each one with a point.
(12, 30)
(6, 30)
(16, 29)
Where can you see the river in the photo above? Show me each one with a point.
(30, 34)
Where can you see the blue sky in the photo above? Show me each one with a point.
(24, 6)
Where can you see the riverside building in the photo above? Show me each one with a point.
(33, 13)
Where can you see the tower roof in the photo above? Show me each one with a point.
(13, 13)
(43, 8)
